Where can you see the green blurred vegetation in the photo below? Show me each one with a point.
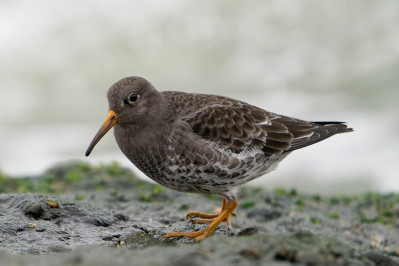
(72, 176)
(81, 177)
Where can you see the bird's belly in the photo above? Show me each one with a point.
(207, 169)
(219, 173)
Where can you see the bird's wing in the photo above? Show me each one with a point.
(241, 125)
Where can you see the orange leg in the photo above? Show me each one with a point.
(206, 215)
(209, 218)
(213, 223)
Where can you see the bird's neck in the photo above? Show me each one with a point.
(141, 136)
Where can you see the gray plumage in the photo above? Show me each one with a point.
(204, 143)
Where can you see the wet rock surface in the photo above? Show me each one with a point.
(82, 215)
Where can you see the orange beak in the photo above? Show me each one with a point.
(111, 121)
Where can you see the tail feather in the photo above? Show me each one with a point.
(326, 123)
(321, 131)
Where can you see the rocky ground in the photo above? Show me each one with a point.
(76, 214)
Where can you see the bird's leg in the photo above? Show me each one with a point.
(204, 233)
(207, 215)
(209, 218)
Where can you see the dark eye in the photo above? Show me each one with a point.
(133, 97)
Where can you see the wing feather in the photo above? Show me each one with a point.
(237, 125)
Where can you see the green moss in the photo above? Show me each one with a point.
(316, 197)
(145, 198)
(293, 192)
(347, 200)
(116, 193)
(114, 169)
(315, 220)
(141, 186)
(3, 181)
(367, 220)
(25, 185)
(184, 207)
(383, 204)
(333, 216)
(334, 201)
(212, 196)
(301, 204)
(44, 186)
(85, 167)
(158, 189)
(388, 213)
(247, 204)
(280, 191)
(79, 197)
(73, 176)
(256, 190)
(12, 184)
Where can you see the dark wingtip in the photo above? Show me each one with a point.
(345, 128)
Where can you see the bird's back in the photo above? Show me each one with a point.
(237, 125)
(218, 143)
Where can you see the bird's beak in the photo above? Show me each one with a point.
(111, 121)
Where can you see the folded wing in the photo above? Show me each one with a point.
(239, 125)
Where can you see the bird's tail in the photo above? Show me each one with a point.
(321, 131)
(340, 127)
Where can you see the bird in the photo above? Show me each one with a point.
(202, 143)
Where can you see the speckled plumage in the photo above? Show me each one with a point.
(203, 143)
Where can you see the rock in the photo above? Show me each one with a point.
(285, 254)
(248, 231)
(80, 227)
(251, 254)
(264, 215)
(380, 259)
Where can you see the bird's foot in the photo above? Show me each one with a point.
(223, 216)
(209, 218)
(209, 221)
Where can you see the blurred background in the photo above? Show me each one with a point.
(311, 59)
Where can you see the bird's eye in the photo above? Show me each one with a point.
(133, 98)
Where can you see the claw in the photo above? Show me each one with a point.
(223, 216)
(191, 220)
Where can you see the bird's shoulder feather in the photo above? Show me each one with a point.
(236, 125)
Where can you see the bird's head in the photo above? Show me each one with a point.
(130, 101)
